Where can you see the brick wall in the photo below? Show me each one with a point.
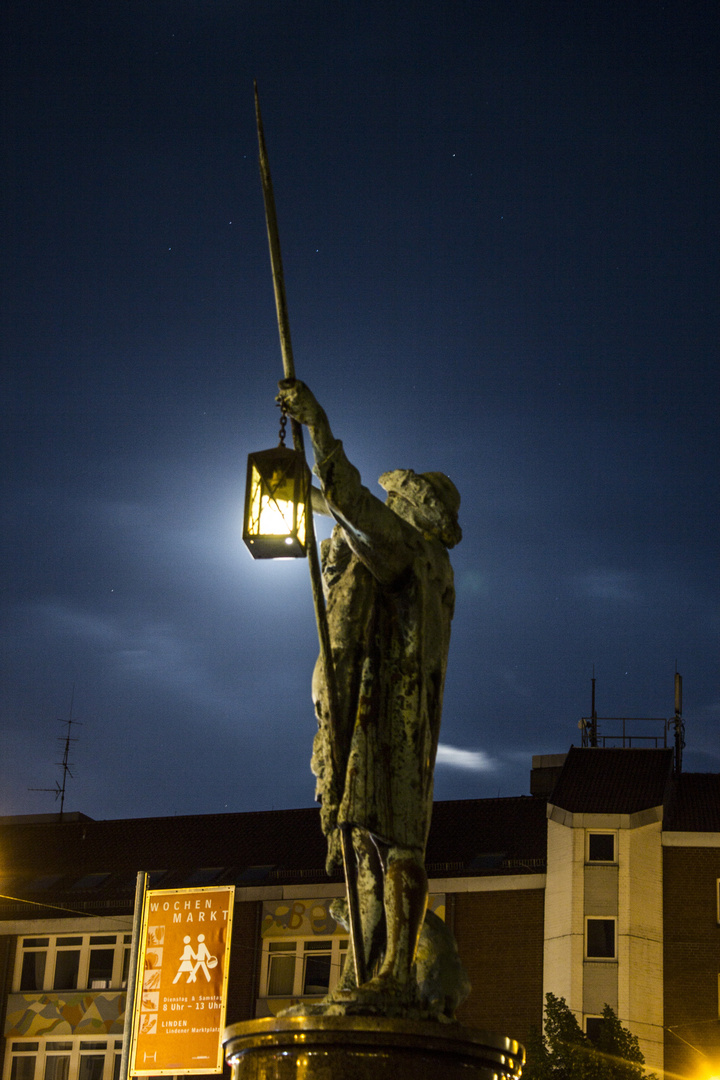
(691, 958)
(500, 938)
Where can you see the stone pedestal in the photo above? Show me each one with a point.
(367, 1048)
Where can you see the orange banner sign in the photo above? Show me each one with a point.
(181, 992)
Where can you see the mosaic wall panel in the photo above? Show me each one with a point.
(80, 1013)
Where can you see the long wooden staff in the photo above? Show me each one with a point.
(349, 863)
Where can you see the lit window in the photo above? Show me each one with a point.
(74, 1058)
(57, 1065)
(23, 1067)
(92, 1060)
(281, 969)
(601, 847)
(23, 1060)
(600, 939)
(77, 962)
(302, 967)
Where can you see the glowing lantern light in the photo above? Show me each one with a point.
(277, 493)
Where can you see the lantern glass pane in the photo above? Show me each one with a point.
(275, 521)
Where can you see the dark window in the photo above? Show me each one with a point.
(56, 1067)
(91, 1066)
(316, 976)
(601, 847)
(601, 939)
(33, 971)
(23, 1068)
(253, 873)
(90, 881)
(204, 875)
(100, 968)
(47, 881)
(593, 1028)
(67, 963)
(125, 967)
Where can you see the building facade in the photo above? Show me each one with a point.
(601, 887)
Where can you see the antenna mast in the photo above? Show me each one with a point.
(593, 718)
(679, 723)
(59, 790)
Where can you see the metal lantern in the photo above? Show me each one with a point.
(277, 494)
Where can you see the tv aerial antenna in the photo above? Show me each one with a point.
(66, 739)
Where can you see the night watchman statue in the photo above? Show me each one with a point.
(390, 599)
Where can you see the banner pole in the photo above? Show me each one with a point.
(140, 891)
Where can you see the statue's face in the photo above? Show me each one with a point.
(411, 510)
(428, 502)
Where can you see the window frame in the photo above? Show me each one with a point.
(603, 919)
(291, 946)
(601, 832)
(74, 1047)
(591, 1016)
(84, 943)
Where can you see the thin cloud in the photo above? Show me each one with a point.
(608, 585)
(470, 760)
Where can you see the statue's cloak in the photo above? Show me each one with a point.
(390, 600)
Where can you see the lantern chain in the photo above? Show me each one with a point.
(283, 423)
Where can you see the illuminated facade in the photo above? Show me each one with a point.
(602, 887)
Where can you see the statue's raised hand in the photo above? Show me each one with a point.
(299, 402)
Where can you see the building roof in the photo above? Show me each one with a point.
(487, 835)
(92, 865)
(694, 805)
(596, 780)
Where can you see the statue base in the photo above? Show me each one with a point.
(367, 1048)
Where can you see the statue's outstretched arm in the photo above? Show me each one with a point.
(377, 535)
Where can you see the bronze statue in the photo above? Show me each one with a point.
(390, 598)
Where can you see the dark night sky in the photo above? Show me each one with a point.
(499, 223)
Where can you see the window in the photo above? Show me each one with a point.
(70, 1059)
(32, 975)
(67, 966)
(302, 968)
(204, 875)
(57, 1060)
(89, 881)
(601, 847)
(23, 1059)
(72, 962)
(600, 939)
(593, 1028)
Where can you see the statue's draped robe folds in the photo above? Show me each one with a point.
(390, 600)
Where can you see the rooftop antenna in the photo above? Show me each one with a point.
(593, 715)
(59, 789)
(678, 723)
